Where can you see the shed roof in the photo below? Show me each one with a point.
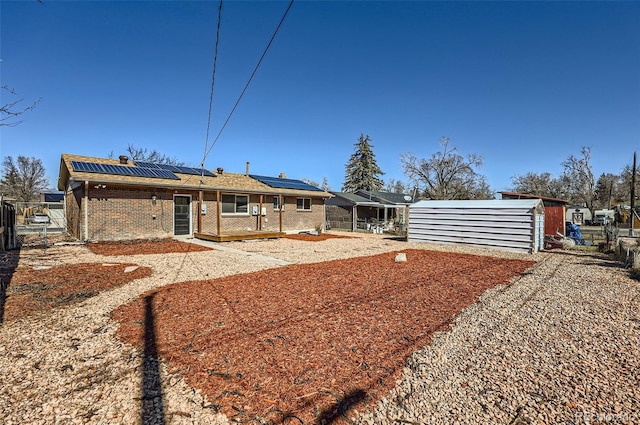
(516, 195)
(478, 203)
(232, 182)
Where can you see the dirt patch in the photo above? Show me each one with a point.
(307, 343)
(144, 246)
(36, 290)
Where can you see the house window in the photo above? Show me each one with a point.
(304, 204)
(235, 204)
(276, 203)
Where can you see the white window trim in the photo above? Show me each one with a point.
(276, 203)
(235, 206)
(304, 209)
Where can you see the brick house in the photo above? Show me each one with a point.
(120, 199)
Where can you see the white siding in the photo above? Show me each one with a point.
(512, 225)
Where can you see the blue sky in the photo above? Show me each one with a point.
(524, 84)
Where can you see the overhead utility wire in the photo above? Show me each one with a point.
(213, 78)
(248, 82)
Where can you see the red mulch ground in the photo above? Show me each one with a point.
(31, 291)
(306, 343)
(144, 246)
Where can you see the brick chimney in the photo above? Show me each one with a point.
(220, 170)
(124, 159)
(282, 176)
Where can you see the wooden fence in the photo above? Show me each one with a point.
(8, 239)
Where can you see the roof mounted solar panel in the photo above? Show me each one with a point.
(169, 167)
(147, 164)
(176, 168)
(165, 174)
(122, 170)
(281, 183)
(194, 171)
(88, 167)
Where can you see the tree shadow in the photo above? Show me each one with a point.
(8, 265)
(152, 409)
(342, 405)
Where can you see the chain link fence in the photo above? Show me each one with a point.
(40, 217)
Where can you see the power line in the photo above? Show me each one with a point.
(213, 78)
(249, 81)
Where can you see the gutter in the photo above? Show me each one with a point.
(213, 189)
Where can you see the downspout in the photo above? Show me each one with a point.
(86, 210)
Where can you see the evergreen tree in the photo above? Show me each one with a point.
(362, 171)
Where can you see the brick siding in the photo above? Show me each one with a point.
(125, 214)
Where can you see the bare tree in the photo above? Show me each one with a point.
(310, 182)
(324, 185)
(395, 186)
(24, 179)
(578, 178)
(9, 112)
(542, 184)
(143, 154)
(447, 175)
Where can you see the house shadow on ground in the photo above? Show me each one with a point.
(152, 409)
(8, 264)
(339, 409)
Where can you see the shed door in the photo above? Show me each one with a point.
(181, 215)
(539, 235)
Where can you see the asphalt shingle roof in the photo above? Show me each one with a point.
(225, 181)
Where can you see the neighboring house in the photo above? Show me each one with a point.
(119, 199)
(578, 214)
(48, 197)
(53, 205)
(554, 211)
(369, 211)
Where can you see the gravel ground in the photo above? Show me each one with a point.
(558, 346)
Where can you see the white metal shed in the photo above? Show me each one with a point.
(507, 224)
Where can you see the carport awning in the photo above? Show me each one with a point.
(368, 204)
